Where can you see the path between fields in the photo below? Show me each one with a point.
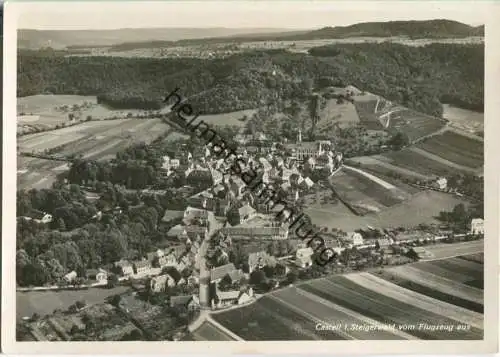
(413, 298)
(443, 161)
(354, 314)
(375, 160)
(375, 179)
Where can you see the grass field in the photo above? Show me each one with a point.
(37, 173)
(227, 118)
(46, 111)
(459, 149)
(365, 192)
(96, 138)
(343, 115)
(45, 302)
(422, 207)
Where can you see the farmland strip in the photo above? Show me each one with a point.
(412, 298)
(309, 316)
(385, 309)
(439, 283)
(428, 291)
(363, 319)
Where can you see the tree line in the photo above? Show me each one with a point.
(418, 77)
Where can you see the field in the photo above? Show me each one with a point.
(46, 111)
(227, 118)
(379, 114)
(108, 325)
(208, 332)
(96, 139)
(415, 125)
(37, 173)
(456, 281)
(381, 166)
(365, 192)
(366, 113)
(343, 115)
(464, 119)
(414, 161)
(458, 149)
(422, 207)
(45, 302)
(362, 306)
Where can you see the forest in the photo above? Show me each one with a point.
(419, 77)
(77, 240)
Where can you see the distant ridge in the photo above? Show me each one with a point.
(413, 29)
(59, 39)
(129, 38)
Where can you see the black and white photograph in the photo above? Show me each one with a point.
(202, 172)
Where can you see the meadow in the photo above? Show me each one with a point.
(364, 192)
(45, 302)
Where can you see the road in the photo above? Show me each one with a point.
(443, 251)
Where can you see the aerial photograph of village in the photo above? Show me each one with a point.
(223, 183)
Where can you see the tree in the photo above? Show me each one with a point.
(225, 283)
(291, 277)
(115, 300)
(80, 304)
(399, 141)
(257, 277)
(134, 335)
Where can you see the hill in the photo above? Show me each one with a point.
(160, 37)
(412, 29)
(431, 29)
(58, 39)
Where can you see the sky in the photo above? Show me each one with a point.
(237, 14)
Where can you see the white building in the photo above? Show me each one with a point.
(477, 226)
(355, 238)
(303, 257)
(442, 183)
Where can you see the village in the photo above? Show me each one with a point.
(227, 248)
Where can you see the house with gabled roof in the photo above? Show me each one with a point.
(142, 266)
(234, 297)
(216, 274)
(71, 276)
(125, 267)
(185, 303)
